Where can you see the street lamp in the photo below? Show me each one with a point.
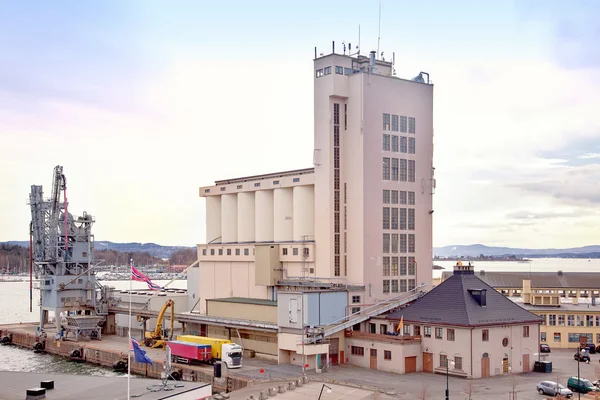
(448, 361)
(323, 387)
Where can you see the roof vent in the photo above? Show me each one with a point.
(560, 273)
(482, 272)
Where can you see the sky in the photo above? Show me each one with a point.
(143, 101)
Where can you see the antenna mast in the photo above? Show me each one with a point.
(379, 29)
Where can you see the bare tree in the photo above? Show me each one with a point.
(424, 395)
(513, 392)
(470, 390)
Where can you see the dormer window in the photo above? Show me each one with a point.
(480, 296)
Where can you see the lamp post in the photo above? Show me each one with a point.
(578, 361)
(323, 387)
(448, 362)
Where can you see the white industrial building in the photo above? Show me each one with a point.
(358, 223)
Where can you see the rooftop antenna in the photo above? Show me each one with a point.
(379, 29)
(358, 53)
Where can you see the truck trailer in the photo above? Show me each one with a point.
(189, 353)
(222, 349)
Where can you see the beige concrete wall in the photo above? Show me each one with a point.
(395, 365)
(216, 281)
(253, 312)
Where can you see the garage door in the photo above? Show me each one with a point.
(410, 364)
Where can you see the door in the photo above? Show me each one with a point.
(526, 363)
(427, 362)
(373, 359)
(505, 365)
(333, 351)
(485, 367)
(342, 359)
(410, 364)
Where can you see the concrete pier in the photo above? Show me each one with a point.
(111, 349)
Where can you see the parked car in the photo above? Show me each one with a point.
(544, 348)
(581, 385)
(582, 355)
(553, 389)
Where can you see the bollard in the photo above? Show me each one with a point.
(224, 395)
(262, 396)
(305, 379)
(281, 388)
(272, 392)
(299, 383)
(291, 385)
(35, 394)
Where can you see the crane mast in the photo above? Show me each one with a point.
(63, 254)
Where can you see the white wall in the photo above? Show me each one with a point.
(283, 208)
(245, 217)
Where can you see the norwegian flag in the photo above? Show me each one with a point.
(140, 277)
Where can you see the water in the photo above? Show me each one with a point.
(14, 296)
(536, 265)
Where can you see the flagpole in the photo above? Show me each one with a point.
(129, 339)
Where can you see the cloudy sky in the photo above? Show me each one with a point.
(143, 102)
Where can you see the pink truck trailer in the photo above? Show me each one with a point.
(188, 353)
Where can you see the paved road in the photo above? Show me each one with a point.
(411, 386)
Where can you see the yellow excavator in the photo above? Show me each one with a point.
(158, 338)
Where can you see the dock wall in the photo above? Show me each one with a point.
(94, 353)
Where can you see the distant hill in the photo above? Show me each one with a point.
(474, 250)
(154, 249)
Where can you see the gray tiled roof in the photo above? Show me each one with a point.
(566, 280)
(451, 303)
(247, 300)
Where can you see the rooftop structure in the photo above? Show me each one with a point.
(545, 280)
(465, 300)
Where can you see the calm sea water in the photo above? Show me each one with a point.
(14, 298)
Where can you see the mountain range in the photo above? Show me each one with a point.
(154, 249)
(475, 250)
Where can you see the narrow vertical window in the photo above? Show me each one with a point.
(386, 122)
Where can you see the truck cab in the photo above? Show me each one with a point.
(232, 355)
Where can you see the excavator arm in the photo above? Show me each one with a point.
(156, 338)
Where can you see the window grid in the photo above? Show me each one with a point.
(395, 143)
(386, 122)
(403, 145)
(394, 266)
(394, 197)
(411, 145)
(403, 219)
(411, 265)
(403, 287)
(394, 218)
(386, 242)
(411, 125)
(411, 219)
(403, 175)
(386, 196)
(403, 124)
(411, 242)
(394, 169)
(386, 142)
(394, 285)
(403, 245)
(336, 186)
(386, 169)
(402, 266)
(386, 218)
(411, 199)
(386, 266)
(394, 123)
(411, 170)
(394, 243)
(386, 286)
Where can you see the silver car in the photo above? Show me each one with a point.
(552, 389)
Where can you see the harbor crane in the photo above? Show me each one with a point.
(62, 254)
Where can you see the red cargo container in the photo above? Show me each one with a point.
(187, 353)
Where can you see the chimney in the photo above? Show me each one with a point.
(372, 59)
(460, 269)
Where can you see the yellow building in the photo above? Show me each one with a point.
(569, 302)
